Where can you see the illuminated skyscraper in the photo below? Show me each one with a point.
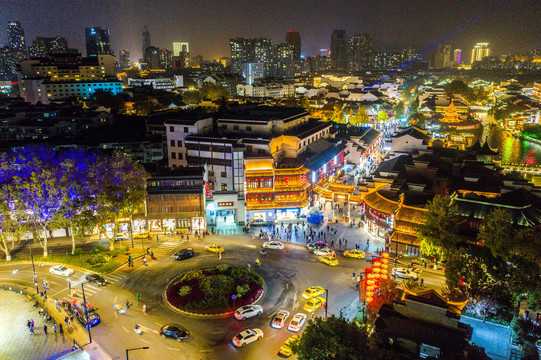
(293, 38)
(97, 41)
(480, 50)
(16, 47)
(182, 50)
(43, 46)
(360, 49)
(457, 56)
(124, 59)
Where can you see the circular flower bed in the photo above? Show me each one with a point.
(212, 290)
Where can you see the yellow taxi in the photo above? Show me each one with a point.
(143, 235)
(357, 254)
(329, 260)
(312, 291)
(214, 248)
(285, 349)
(314, 304)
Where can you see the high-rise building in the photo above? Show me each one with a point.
(146, 40)
(249, 51)
(457, 56)
(43, 46)
(197, 60)
(253, 71)
(182, 50)
(480, 50)
(97, 41)
(293, 38)
(166, 59)
(4, 61)
(339, 50)
(441, 58)
(124, 59)
(360, 50)
(16, 47)
(152, 57)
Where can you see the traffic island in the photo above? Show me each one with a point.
(214, 292)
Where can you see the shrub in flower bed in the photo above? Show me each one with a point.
(211, 289)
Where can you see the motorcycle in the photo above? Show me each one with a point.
(263, 252)
(138, 330)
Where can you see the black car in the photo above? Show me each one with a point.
(184, 254)
(317, 245)
(174, 332)
(96, 279)
(93, 318)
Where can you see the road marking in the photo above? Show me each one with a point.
(270, 337)
(115, 299)
(205, 350)
(268, 317)
(145, 341)
(125, 329)
(155, 322)
(170, 348)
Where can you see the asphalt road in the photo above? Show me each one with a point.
(287, 274)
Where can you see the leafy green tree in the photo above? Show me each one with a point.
(439, 232)
(414, 106)
(337, 114)
(399, 109)
(382, 116)
(107, 99)
(418, 119)
(13, 223)
(213, 92)
(192, 97)
(123, 191)
(332, 338)
(461, 88)
(498, 234)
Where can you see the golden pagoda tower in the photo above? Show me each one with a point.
(451, 114)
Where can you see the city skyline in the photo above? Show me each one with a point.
(208, 28)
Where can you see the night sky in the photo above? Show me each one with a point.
(208, 24)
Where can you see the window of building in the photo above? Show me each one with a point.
(224, 174)
(186, 129)
(248, 128)
(235, 127)
(179, 143)
(171, 129)
(172, 143)
(211, 173)
(180, 156)
(224, 187)
(173, 155)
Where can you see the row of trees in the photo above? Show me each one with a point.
(42, 190)
(496, 272)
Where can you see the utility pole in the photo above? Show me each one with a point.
(140, 348)
(86, 314)
(34, 269)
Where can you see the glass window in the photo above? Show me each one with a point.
(173, 155)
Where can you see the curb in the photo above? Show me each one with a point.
(205, 316)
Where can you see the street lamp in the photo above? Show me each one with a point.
(86, 313)
(139, 348)
(326, 301)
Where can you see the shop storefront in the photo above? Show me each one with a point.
(288, 214)
(255, 217)
(225, 210)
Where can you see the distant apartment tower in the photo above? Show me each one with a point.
(43, 46)
(252, 72)
(293, 38)
(480, 51)
(124, 59)
(249, 51)
(441, 58)
(16, 47)
(360, 51)
(146, 40)
(339, 50)
(457, 56)
(152, 57)
(182, 50)
(97, 41)
(197, 60)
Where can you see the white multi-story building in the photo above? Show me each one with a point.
(177, 129)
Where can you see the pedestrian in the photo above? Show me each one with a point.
(219, 255)
(28, 323)
(54, 328)
(45, 329)
(32, 322)
(144, 260)
(127, 304)
(346, 242)
(138, 297)
(60, 330)
(69, 285)
(57, 303)
(32, 330)
(144, 308)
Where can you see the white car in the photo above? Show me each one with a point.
(297, 322)
(276, 245)
(324, 252)
(247, 337)
(280, 319)
(248, 311)
(404, 273)
(61, 270)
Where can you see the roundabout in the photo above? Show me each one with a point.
(214, 291)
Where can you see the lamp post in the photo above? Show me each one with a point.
(139, 348)
(34, 269)
(86, 313)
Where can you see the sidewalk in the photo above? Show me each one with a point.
(76, 334)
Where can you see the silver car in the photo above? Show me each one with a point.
(248, 311)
